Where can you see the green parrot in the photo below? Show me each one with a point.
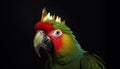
(59, 43)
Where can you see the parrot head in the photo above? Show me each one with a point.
(52, 34)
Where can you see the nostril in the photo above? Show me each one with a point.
(46, 40)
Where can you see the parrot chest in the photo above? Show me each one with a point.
(73, 65)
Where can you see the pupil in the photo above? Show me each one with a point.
(57, 32)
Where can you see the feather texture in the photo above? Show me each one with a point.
(92, 61)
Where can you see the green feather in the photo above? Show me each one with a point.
(92, 61)
(60, 26)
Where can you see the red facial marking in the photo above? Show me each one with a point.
(45, 26)
(57, 41)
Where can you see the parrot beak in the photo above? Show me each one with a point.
(42, 41)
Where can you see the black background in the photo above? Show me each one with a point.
(88, 19)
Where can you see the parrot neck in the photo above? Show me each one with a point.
(63, 60)
(71, 51)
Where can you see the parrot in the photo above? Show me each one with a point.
(54, 37)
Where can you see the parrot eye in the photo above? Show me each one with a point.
(57, 33)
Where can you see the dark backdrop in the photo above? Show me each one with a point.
(87, 19)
